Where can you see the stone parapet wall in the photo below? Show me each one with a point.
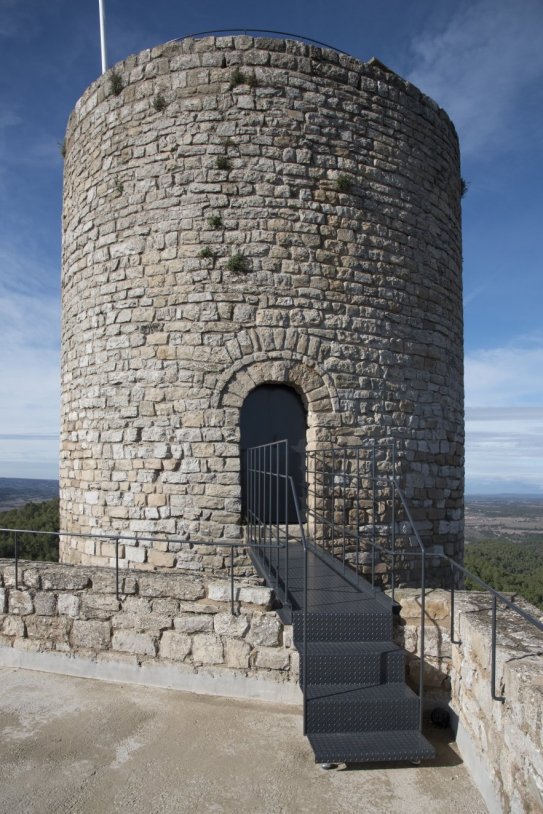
(242, 211)
(181, 621)
(501, 743)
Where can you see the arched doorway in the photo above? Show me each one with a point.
(273, 412)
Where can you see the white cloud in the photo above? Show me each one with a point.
(506, 376)
(504, 417)
(487, 56)
(504, 448)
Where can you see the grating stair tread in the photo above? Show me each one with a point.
(370, 747)
(350, 648)
(359, 708)
(347, 693)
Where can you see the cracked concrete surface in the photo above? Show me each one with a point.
(88, 747)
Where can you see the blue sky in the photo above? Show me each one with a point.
(481, 60)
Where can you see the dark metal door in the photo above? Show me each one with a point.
(273, 412)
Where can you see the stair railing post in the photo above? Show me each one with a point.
(16, 552)
(373, 510)
(287, 543)
(422, 637)
(117, 567)
(305, 665)
(493, 665)
(357, 514)
(344, 493)
(232, 580)
(333, 502)
(393, 538)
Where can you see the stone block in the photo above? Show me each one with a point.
(65, 578)
(168, 605)
(265, 630)
(92, 633)
(103, 581)
(194, 623)
(207, 649)
(236, 653)
(272, 658)
(31, 577)
(220, 591)
(256, 595)
(127, 641)
(98, 606)
(20, 602)
(3, 600)
(47, 628)
(68, 605)
(161, 559)
(161, 585)
(175, 646)
(13, 626)
(136, 554)
(45, 604)
(197, 607)
(233, 626)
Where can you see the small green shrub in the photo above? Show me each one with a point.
(119, 186)
(116, 83)
(238, 263)
(237, 77)
(206, 253)
(62, 148)
(344, 183)
(215, 221)
(464, 186)
(222, 162)
(159, 103)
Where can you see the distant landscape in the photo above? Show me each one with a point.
(504, 533)
(15, 492)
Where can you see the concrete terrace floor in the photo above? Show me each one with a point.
(78, 745)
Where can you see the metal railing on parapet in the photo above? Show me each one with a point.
(134, 540)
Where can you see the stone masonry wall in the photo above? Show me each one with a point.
(240, 211)
(501, 743)
(181, 621)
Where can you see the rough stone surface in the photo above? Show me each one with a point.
(146, 625)
(507, 737)
(265, 630)
(340, 188)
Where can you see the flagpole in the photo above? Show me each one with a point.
(103, 35)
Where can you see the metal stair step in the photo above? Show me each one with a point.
(344, 708)
(371, 623)
(357, 663)
(370, 747)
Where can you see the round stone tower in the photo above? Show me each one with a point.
(240, 212)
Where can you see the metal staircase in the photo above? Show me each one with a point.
(357, 706)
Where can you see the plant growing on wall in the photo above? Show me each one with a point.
(464, 186)
(215, 221)
(159, 103)
(62, 148)
(238, 263)
(344, 183)
(206, 253)
(222, 162)
(116, 83)
(239, 78)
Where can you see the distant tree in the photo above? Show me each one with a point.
(43, 516)
(508, 567)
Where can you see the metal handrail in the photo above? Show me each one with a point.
(289, 34)
(136, 538)
(496, 597)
